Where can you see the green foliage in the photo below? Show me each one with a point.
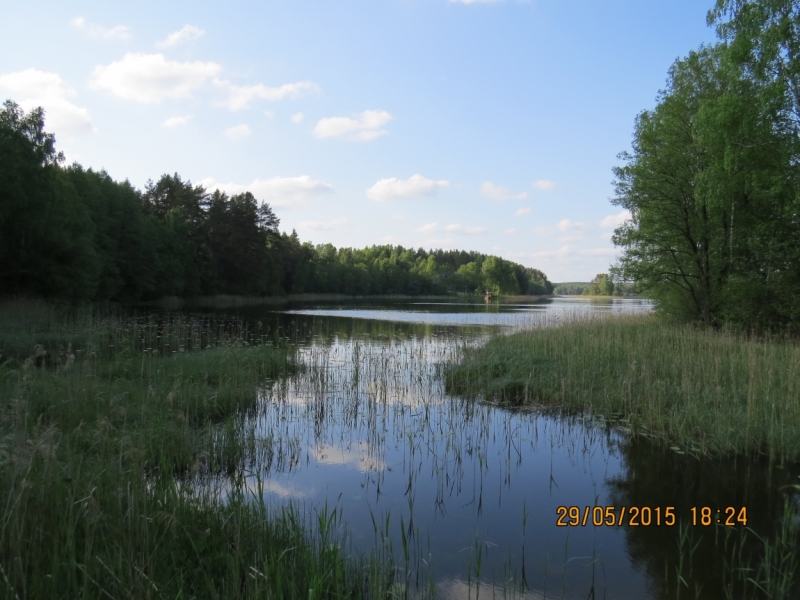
(711, 185)
(601, 285)
(571, 288)
(45, 231)
(73, 233)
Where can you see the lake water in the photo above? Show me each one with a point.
(464, 495)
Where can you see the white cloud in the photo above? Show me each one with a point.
(188, 33)
(119, 32)
(614, 221)
(543, 185)
(499, 192)
(428, 228)
(150, 78)
(32, 88)
(398, 217)
(278, 191)
(269, 113)
(298, 117)
(238, 132)
(566, 225)
(364, 127)
(511, 231)
(414, 186)
(176, 121)
(543, 230)
(455, 228)
(523, 211)
(238, 97)
(321, 226)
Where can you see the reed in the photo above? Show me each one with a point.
(700, 390)
(123, 469)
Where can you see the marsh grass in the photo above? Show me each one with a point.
(111, 451)
(700, 390)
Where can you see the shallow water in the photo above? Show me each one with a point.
(464, 495)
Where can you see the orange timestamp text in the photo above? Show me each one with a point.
(647, 516)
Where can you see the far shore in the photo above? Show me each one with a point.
(229, 301)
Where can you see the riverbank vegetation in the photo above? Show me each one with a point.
(700, 390)
(711, 182)
(123, 466)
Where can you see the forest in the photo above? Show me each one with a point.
(72, 233)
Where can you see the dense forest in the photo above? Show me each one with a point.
(74, 233)
(713, 177)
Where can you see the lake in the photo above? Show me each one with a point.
(464, 496)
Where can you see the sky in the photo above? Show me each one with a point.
(488, 125)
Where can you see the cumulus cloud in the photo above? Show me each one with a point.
(278, 191)
(238, 132)
(237, 97)
(543, 185)
(499, 192)
(566, 225)
(32, 88)
(188, 33)
(363, 127)
(119, 32)
(322, 226)
(428, 228)
(150, 78)
(298, 117)
(614, 221)
(523, 211)
(176, 121)
(511, 231)
(575, 231)
(455, 228)
(416, 185)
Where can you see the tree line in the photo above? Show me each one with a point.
(712, 180)
(74, 233)
(602, 285)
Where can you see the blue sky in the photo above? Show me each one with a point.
(477, 125)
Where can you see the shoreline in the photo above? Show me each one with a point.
(230, 301)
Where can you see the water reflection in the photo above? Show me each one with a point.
(463, 495)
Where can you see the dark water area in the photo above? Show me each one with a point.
(464, 496)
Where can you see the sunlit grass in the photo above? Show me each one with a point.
(699, 389)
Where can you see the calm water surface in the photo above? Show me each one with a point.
(464, 495)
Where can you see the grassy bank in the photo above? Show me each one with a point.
(700, 390)
(122, 468)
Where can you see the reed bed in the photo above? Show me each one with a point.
(113, 435)
(701, 390)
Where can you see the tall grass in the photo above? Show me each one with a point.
(111, 451)
(699, 389)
